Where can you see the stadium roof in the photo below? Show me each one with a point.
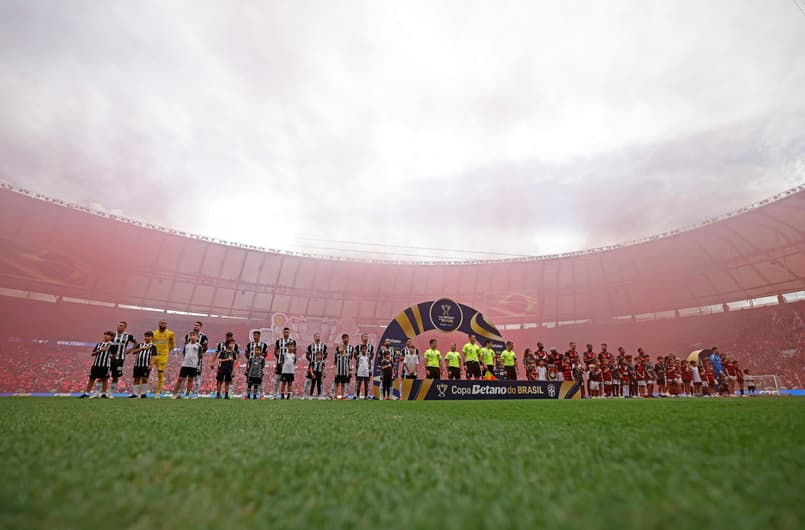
(57, 249)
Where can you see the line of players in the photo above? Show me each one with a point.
(600, 374)
(607, 375)
(152, 353)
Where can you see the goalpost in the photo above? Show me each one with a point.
(765, 384)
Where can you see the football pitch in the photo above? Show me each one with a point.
(148, 464)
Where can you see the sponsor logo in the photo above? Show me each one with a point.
(446, 315)
(442, 389)
(551, 390)
(489, 390)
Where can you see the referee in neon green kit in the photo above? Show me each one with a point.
(433, 361)
(471, 365)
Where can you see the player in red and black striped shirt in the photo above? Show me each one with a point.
(626, 378)
(606, 375)
(640, 374)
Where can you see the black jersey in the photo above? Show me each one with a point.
(343, 363)
(317, 367)
(222, 346)
(143, 359)
(120, 342)
(255, 366)
(280, 349)
(226, 360)
(261, 348)
(313, 349)
(103, 358)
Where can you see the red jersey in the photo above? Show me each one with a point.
(640, 370)
(729, 368)
(670, 371)
(607, 374)
(556, 358)
(551, 373)
(567, 372)
(589, 358)
(687, 375)
(710, 375)
(542, 354)
(625, 375)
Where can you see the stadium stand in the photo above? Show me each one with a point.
(68, 273)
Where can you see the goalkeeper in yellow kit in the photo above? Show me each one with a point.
(165, 341)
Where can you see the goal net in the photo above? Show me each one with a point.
(764, 384)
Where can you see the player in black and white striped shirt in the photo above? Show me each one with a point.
(280, 349)
(222, 345)
(349, 354)
(102, 353)
(256, 348)
(204, 341)
(316, 373)
(120, 342)
(317, 346)
(146, 351)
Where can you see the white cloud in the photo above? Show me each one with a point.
(369, 110)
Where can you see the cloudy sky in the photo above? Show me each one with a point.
(484, 128)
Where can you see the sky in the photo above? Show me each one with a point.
(405, 130)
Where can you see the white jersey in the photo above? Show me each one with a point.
(192, 353)
(542, 373)
(363, 366)
(410, 361)
(289, 363)
(697, 377)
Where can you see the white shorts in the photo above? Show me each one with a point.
(641, 383)
(732, 377)
(678, 380)
(616, 382)
(593, 385)
(607, 383)
(704, 384)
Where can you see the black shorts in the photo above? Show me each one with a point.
(409, 376)
(511, 372)
(433, 372)
(141, 372)
(99, 372)
(341, 379)
(224, 376)
(473, 369)
(453, 372)
(187, 371)
(660, 380)
(364, 379)
(287, 378)
(254, 381)
(117, 368)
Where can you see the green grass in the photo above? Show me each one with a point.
(69, 463)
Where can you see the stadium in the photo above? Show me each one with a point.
(739, 286)
(402, 265)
